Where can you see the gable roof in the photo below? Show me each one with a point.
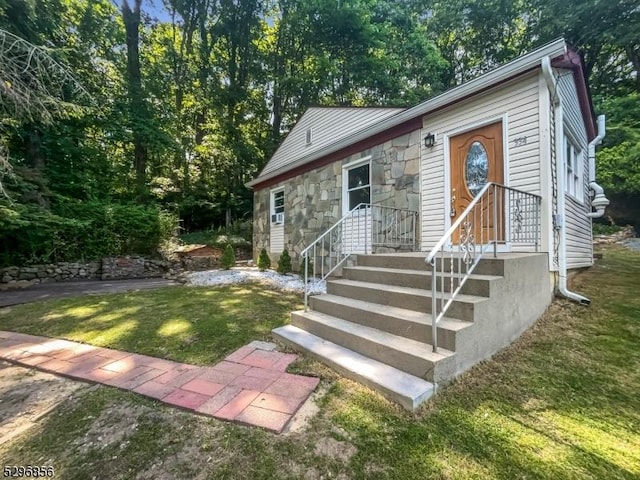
(347, 132)
(328, 125)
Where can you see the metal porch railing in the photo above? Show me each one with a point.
(364, 229)
(497, 215)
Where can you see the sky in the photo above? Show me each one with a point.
(153, 8)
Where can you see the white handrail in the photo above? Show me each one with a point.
(518, 222)
(379, 226)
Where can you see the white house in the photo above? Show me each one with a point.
(492, 183)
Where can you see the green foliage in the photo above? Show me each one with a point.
(602, 229)
(239, 234)
(301, 270)
(74, 230)
(264, 262)
(228, 259)
(284, 263)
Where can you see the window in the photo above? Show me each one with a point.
(358, 186)
(573, 163)
(277, 206)
(309, 136)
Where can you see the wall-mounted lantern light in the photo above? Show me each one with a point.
(429, 140)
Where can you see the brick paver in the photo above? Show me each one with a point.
(250, 386)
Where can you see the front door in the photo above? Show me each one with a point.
(477, 158)
(357, 192)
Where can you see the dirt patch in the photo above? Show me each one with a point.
(335, 449)
(113, 426)
(26, 395)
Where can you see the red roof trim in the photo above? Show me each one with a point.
(398, 130)
(572, 61)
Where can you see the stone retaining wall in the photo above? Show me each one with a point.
(625, 233)
(112, 268)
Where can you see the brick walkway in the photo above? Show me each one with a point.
(250, 386)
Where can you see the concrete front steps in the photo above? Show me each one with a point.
(374, 323)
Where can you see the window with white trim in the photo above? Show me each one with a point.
(277, 206)
(573, 170)
(358, 186)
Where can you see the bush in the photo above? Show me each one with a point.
(74, 230)
(228, 259)
(602, 229)
(264, 262)
(284, 262)
(310, 268)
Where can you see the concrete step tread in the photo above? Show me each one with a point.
(389, 340)
(423, 318)
(408, 390)
(417, 272)
(461, 297)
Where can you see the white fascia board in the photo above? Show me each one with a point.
(486, 80)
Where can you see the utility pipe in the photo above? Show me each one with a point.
(599, 201)
(559, 223)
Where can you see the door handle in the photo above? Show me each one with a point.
(452, 212)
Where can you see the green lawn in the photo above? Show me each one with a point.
(189, 324)
(563, 402)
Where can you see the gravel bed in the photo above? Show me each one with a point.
(291, 282)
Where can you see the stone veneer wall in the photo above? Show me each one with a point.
(313, 200)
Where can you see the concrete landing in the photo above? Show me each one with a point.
(398, 386)
(250, 386)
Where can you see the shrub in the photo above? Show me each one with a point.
(601, 229)
(228, 259)
(74, 230)
(264, 262)
(310, 268)
(284, 262)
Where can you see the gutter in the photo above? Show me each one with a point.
(558, 218)
(487, 80)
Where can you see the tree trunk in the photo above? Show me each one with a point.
(33, 149)
(131, 19)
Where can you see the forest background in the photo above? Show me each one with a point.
(138, 113)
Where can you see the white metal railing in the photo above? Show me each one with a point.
(497, 215)
(360, 231)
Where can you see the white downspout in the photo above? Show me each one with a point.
(560, 179)
(599, 201)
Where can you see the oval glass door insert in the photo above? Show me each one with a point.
(476, 168)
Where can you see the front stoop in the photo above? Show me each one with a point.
(374, 325)
(398, 386)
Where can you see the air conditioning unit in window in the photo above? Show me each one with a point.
(277, 218)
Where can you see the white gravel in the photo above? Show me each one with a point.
(291, 282)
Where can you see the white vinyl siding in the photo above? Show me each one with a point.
(517, 106)
(320, 127)
(577, 224)
(277, 205)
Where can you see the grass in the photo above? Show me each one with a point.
(188, 324)
(560, 403)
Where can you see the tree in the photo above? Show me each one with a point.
(137, 106)
(32, 89)
(228, 259)
(284, 263)
(264, 262)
